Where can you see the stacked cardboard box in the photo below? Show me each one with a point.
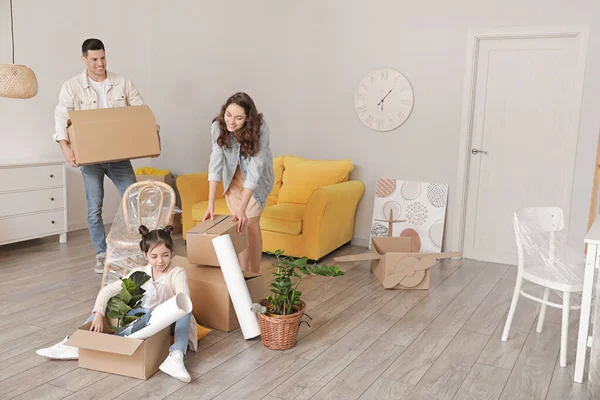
(212, 305)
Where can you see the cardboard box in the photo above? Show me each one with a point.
(113, 134)
(212, 305)
(168, 178)
(397, 264)
(200, 249)
(105, 352)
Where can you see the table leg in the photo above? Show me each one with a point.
(584, 319)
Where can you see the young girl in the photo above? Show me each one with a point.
(166, 281)
(242, 159)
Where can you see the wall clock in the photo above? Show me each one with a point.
(383, 99)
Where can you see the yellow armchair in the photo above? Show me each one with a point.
(307, 228)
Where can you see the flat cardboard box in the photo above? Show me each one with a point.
(397, 264)
(212, 306)
(119, 355)
(113, 134)
(199, 244)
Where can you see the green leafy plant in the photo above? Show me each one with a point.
(128, 299)
(285, 298)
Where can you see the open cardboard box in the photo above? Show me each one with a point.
(113, 134)
(136, 358)
(200, 249)
(212, 306)
(397, 264)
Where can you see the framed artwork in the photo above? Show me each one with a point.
(412, 209)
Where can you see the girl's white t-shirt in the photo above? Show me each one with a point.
(156, 292)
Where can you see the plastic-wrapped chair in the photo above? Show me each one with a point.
(149, 203)
(546, 258)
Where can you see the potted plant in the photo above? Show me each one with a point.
(280, 314)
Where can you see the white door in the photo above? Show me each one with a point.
(527, 94)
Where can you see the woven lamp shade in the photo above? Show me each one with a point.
(17, 81)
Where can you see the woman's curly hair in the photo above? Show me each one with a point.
(247, 136)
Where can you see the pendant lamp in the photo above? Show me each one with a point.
(16, 81)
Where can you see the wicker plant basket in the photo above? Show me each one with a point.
(280, 332)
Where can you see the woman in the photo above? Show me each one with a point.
(242, 159)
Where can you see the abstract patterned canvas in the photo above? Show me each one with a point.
(412, 209)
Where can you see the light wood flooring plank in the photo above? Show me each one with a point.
(156, 388)
(483, 383)
(504, 354)
(107, 388)
(412, 365)
(334, 359)
(355, 379)
(44, 392)
(260, 382)
(531, 375)
(78, 379)
(387, 389)
(445, 376)
(310, 347)
(226, 375)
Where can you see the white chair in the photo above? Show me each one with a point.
(548, 262)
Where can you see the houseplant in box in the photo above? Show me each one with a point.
(281, 313)
(130, 298)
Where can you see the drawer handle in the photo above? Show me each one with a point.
(53, 222)
(51, 175)
(51, 198)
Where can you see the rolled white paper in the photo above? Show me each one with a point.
(236, 286)
(164, 315)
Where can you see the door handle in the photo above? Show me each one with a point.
(476, 151)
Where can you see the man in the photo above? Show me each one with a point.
(95, 88)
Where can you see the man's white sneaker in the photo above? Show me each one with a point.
(99, 267)
(60, 351)
(173, 365)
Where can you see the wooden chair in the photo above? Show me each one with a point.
(149, 203)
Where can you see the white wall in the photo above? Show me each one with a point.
(301, 62)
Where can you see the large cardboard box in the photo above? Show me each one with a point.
(397, 264)
(210, 298)
(113, 134)
(105, 352)
(199, 244)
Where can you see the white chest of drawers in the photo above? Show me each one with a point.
(33, 200)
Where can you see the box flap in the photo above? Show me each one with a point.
(205, 226)
(85, 339)
(384, 245)
(358, 257)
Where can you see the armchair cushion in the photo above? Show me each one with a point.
(302, 177)
(283, 218)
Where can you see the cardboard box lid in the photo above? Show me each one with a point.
(85, 339)
(206, 273)
(216, 226)
(95, 128)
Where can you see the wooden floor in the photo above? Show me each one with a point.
(365, 342)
